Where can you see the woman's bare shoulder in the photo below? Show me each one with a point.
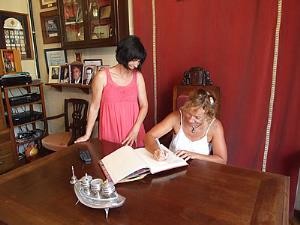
(174, 118)
(100, 78)
(216, 125)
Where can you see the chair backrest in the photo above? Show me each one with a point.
(76, 117)
(181, 93)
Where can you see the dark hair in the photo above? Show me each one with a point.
(204, 99)
(130, 48)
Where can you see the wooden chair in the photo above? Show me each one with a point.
(75, 117)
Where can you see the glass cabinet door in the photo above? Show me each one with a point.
(73, 20)
(93, 23)
(100, 18)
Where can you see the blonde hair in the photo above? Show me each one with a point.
(202, 98)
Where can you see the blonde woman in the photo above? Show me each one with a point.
(198, 134)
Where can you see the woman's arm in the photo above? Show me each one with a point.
(160, 129)
(143, 109)
(98, 84)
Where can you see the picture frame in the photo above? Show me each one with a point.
(50, 26)
(16, 33)
(76, 71)
(10, 61)
(47, 3)
(55, 57)
(88, 74)
(54, 74)
(93, 62)
(64, 73)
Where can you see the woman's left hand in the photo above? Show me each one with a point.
(131, 137)
(186, 155)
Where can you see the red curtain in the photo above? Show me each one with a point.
(284, 150)
(234, 41)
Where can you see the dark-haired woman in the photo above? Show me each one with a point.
(196, 131)
(120, 93)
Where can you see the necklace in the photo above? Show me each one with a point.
(193, 130)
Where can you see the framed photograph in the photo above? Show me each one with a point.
(55, 57)
(54, 74)
(10, 61)
(88, 74)
(76, 71)
(16, 33)
(64, 73)
(93, 62)
(47, 3)
(50, 26)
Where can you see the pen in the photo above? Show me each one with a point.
(159, 146)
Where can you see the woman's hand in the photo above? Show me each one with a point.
(186, 155)
(82, 139)
(131, 137)
(160, 155)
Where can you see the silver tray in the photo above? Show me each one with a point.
(100, 202)
(95, 193)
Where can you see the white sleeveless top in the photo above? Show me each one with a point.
(182, 142)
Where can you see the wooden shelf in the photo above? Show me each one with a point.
(35, 86)
(29, 122)
(85, 88)
(27, 103)
(33, 83)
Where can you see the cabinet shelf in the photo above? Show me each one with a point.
(25, 141)
(34, 83)
(27, 103)
(59, 86)
(29, 122)
(73, 22)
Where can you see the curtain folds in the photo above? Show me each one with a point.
(234, 41)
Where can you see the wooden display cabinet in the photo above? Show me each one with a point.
(26, 113)
(93, 23)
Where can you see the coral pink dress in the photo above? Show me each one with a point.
(119, 109)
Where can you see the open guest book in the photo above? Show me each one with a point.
(128, 164)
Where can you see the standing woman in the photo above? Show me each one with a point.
(120, 93)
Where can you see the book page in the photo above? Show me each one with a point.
(172, 161)
(121, 163)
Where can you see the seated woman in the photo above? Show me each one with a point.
(195, 128)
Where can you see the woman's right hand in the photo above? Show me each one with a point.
(82, 139)
(160, 155)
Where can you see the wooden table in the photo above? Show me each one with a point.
(202, 193)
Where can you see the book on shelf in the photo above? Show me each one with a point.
(128, 164)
